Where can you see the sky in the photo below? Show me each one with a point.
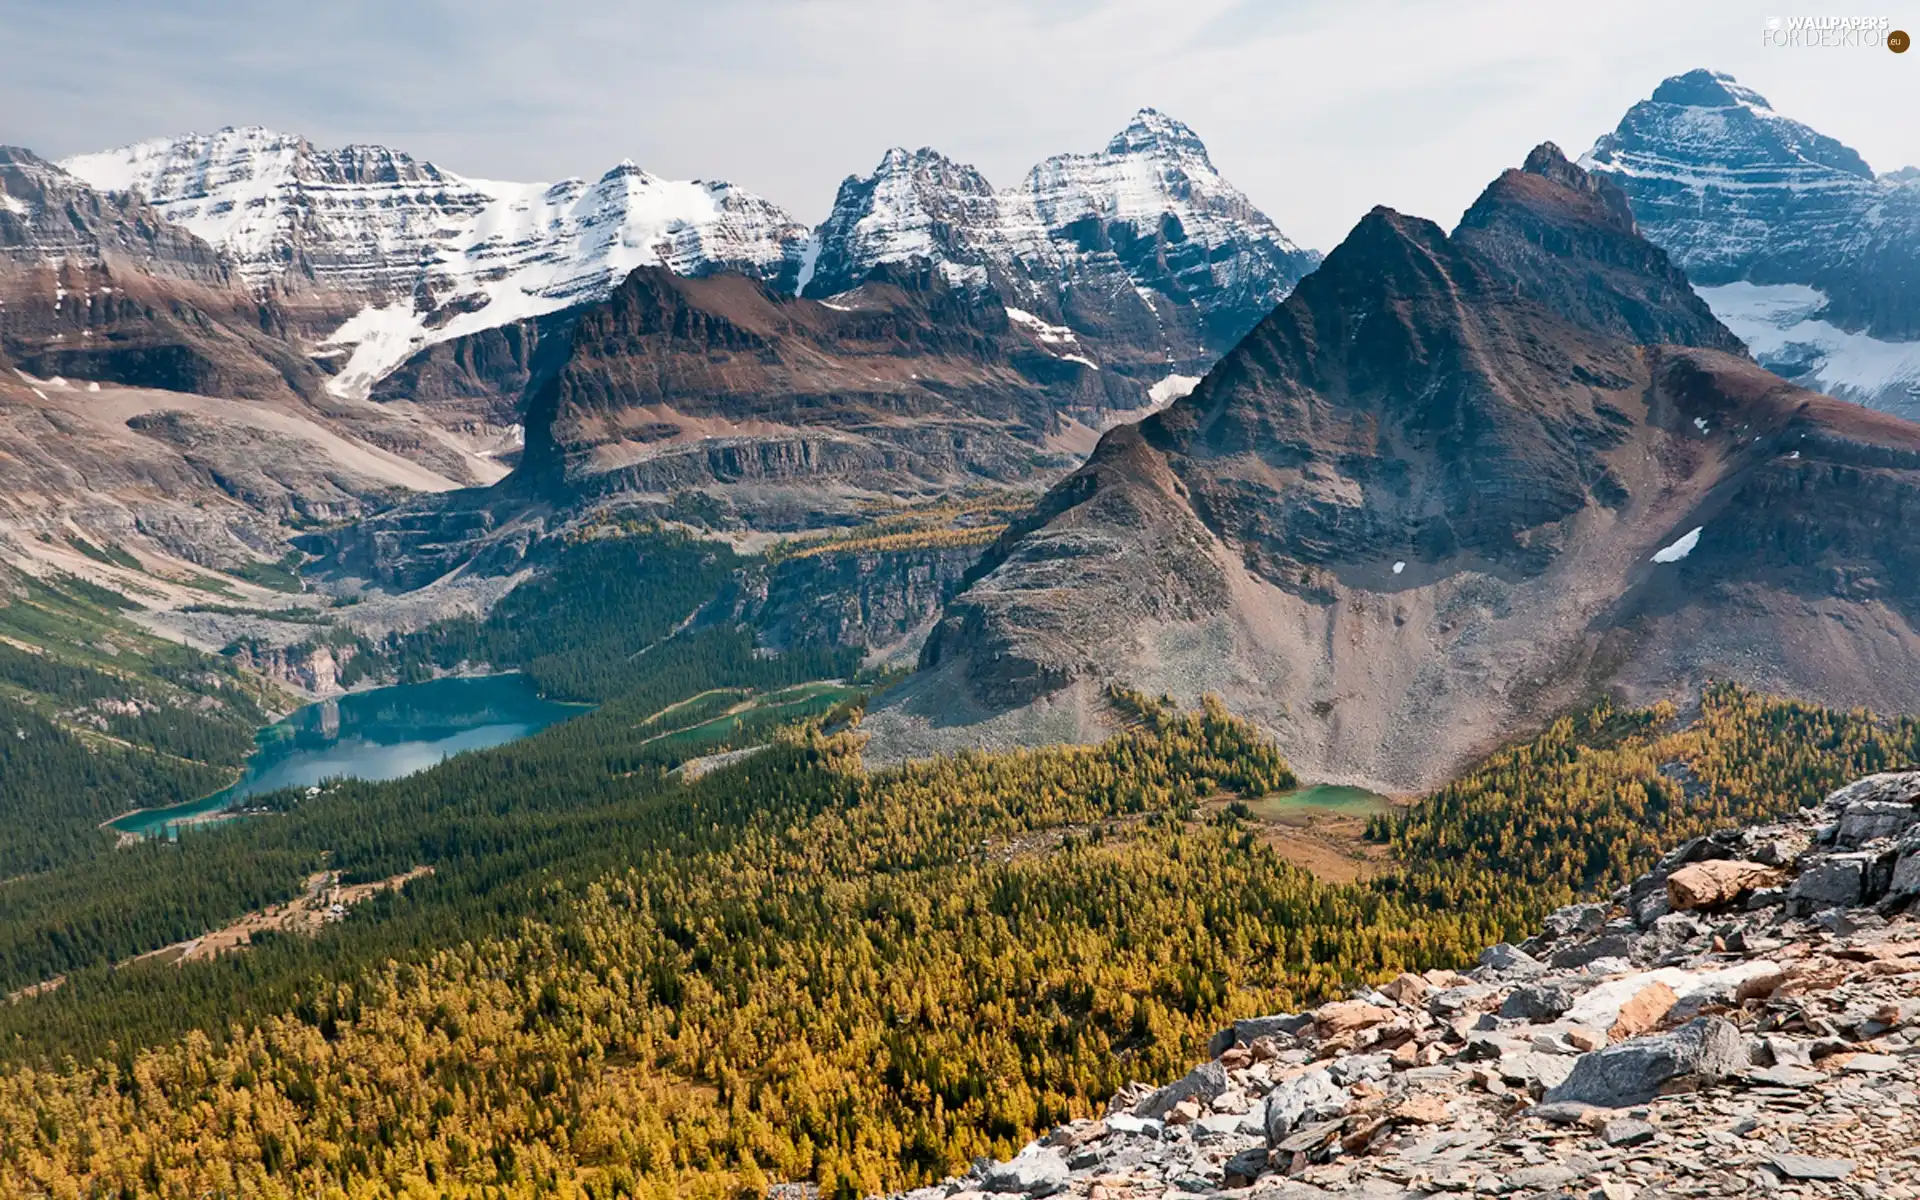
(1317, 109)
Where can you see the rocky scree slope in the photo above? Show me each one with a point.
(1451, 485)
(1742, 1020)
(1806, 254)
(1140, 257)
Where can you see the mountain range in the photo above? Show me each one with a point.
(1142, 256)
(1454, 484)
(1433, 488)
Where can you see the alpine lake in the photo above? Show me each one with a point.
(381, 734)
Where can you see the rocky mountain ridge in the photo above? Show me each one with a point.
(1805, 253)
(153, 405)
(724, 403)
(1745, 1018)
(103, 288)
(1453, 484)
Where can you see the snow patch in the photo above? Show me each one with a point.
(1700, 423)
(809, 259)
(1399, 567)
(14, 205)
(1052, 335)
(1172, 388)
(1681, 548)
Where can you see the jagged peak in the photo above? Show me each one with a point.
(625, 168)
(1550, 162)
(1150, 130)
(925, 165)
(1663, 124)
(1702, 88)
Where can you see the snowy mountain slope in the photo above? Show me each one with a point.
(362, 220)
(411, 255)
(1797, 244)
(1142, 248)
(1782, 326)
(536, 250)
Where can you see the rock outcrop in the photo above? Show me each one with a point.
(725, 403)
(1784, 1056)
(101, 287)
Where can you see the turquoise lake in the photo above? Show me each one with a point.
(381, 734)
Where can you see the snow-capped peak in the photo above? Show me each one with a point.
(1786, 233)
(1146, 224)
(430, 255)
(1707, 120)
(1152, 130)
(360, 219)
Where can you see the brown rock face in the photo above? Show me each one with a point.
(1449, 487)
(101, 288)
(903, 383)
(1348, 1016)
(1643, 1011)
(1716, 882)
(721, 402)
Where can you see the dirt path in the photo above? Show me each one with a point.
(321, 902)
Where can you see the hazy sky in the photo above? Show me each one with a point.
(1318, 109)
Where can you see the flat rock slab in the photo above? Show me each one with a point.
(1804, 1166)
(1786, 1076)
(1626, 1131)
(1872, 1064)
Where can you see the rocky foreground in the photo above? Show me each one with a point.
(1744, 1019)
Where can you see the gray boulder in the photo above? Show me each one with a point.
(1906, 875)
(1508, 959)
(1830, 881)
(1869, 820)
(1546, 1000)
(1899, 786)
(1304, 1098)
(1352, 1068)
(1203, 1083)
(1245, 1167)
(1650, 908)
(1036, 1171)
(1612, 945)
(1245, 1033)
(1674, 932)
(1636, 1070)
(1905, 878)
(1575, 918)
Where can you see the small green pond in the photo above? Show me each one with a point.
(1338, 799)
